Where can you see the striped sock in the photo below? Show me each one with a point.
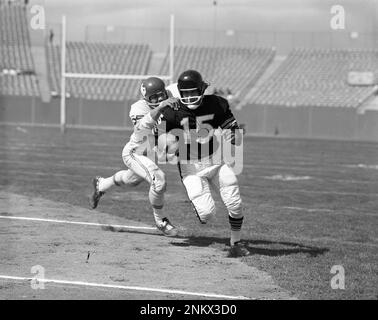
(236, 224)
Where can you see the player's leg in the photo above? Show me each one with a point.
(227, 182)
(198, 191)
(120, 178)
(149, 171)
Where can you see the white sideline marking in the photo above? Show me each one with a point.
(287, 177)
(309, 210)
(112, 286)
(78, 222)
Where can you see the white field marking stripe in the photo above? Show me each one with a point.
(314, 191)
(135, 288)
(332, 168)
(306, 166)
(334, 212)
(61, 165)
(71, 165)
(324, 179)
(77, 222)
(72, 126)
(167, 169)
(364, 214)
(326, 239)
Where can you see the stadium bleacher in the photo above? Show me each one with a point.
(227, 68)
(257, 77)
(100, 58)
(16, 62)
(313, 77)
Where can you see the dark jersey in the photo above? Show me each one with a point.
(197, 126)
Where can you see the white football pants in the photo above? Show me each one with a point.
(142, 168)
(197, 178)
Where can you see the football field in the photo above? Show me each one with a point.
(309, 205)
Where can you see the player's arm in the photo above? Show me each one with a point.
(148, 121)
(231, 130)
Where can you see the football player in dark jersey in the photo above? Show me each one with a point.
(204, 115)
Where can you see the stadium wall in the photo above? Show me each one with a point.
(262, 120)
(309, 122)
(80, 112)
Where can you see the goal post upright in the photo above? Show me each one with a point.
(171, 47)
(63, 77)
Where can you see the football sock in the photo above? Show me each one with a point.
(118, 179)
(105, 183)
(158, 215)
(235, 237)
(236, 224)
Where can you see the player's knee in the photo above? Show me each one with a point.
(206, 214)
(200, 197)
(229, 179)
(159, 183)
(232, 200)
(205, 207)
(235, 209)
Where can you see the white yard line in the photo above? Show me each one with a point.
(335, 212)
(324, 239)
(77, 222)
(131, 288)
(292, 191)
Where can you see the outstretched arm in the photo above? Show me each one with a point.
(149, 120)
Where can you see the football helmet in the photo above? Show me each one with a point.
(192, 88)
(153, 91)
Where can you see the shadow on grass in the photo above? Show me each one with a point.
(254, 247)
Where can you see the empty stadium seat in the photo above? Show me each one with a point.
(16, 61)
(100, 58)
(226, 68)
(314, 77)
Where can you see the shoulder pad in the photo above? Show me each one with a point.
(139, 108)
(173, 90)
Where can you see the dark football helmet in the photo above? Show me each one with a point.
(153, 91)
(191, 88)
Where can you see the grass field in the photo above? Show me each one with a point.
(309, 204)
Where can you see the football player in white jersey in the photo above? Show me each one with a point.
(144, 115)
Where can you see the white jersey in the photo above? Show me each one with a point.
(173, 90)
(143, 127)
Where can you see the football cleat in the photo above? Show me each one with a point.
(95, 198)
(167, 228)
(238, 250)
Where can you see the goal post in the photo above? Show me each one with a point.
(64, 75)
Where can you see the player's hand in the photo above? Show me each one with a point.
(171, 102)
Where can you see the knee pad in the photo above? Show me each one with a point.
(158, 183)
(232, 201)
(204, 207)
(200, 197)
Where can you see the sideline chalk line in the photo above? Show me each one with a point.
(78, 222)
(135, 288)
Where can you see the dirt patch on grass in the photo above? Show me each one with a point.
(92, 254)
